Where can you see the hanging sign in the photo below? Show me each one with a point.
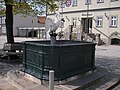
(68, 3)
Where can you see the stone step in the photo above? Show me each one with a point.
(22, 83)
(2, 81)
(40, 87)
(86, 81)
(100, 79)
(110, 84)
(4, 85)
(7, 86)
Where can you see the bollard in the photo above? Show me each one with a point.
(51, 80)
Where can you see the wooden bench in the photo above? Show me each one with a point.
(12, 50)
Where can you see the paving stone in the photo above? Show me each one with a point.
(2, 81)
(7, 86)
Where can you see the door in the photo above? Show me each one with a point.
(87, 25)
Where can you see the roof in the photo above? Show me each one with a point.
(41, 19)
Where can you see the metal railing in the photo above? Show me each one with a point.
(101, 33)
(66, 33)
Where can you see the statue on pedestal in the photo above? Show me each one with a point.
(51, 25)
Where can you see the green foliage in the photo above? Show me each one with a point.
(22, 8)
(52, 5)
(31, 7)
(2, 8)
(2, 12)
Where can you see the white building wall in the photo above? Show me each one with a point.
(28, 21)
(105, 9)
(106, 22)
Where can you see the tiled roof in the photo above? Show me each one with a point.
(41, 19)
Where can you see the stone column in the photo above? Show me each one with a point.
(98, 38)
(53, 38)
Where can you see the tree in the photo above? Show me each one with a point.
(9, 22)
(25, 7)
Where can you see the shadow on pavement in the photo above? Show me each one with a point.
(6, 65)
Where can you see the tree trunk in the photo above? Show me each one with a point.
(9, 24)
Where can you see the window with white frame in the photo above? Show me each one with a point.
(113, 22)
(0, 20)
(100, 1)
(74, 22)
(74, 2)
(88, 2)
(99, 21)
(62, 24)
(3, 20)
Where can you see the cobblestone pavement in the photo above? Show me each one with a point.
(5, 67)
(109, 57)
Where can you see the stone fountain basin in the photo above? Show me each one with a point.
(67, 58)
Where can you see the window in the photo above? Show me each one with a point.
(3, 20)
(99, 21)
(114, 0)
(74, 22)
(0, 21)
(87, 2)
(100, 1)
(62, 24)
(74, 3)
(113, 22)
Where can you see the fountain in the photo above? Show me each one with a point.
(66, 57)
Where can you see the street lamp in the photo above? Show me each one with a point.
(87, 28)
(62, 5)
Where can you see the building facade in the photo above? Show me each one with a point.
(2, 25)
(25, 26)
(99, 17)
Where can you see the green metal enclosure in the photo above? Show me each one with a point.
(67, 58)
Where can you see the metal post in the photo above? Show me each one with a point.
(53, 38)
(71, 30)
(61, 13)
(51, 80)
(87, 17)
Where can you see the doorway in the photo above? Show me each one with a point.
(87, 25)
(115, 41)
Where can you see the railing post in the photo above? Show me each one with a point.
(51, 80)
(98, 38)
(71, 31)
